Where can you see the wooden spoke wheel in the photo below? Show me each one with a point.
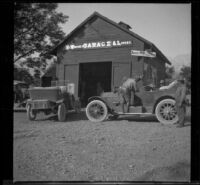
(166, 112)
(96, 111)
(61, 112)
(31, 114)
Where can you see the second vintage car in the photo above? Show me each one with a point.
(57, 100)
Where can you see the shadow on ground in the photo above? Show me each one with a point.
(70, 116)
(149, 118)
(178, 172)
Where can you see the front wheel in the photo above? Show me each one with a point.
(96, 111)
(31, 114)
(61, 112)
(166, 112)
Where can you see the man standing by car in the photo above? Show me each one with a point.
(128, 90)
(180, 97)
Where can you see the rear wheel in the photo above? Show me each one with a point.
(96, 111)
(61, 112)
(166, 111)
(31, 114)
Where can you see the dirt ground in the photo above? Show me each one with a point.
(130, 148)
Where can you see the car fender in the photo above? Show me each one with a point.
(109, 106)
(28, 102)
(159, 99)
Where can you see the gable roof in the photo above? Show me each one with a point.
(96, 14)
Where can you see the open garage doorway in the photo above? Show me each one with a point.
(91, 74)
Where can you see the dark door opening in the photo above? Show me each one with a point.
(46, 81)
(91, 74)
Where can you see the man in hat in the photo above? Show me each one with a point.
(180, 97)
(128, 90)
(162, 83)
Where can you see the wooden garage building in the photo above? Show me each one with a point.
(100, 50)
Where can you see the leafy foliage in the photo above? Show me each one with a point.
(185, 71)
(170, 71)
(36, 31)
(23, 74)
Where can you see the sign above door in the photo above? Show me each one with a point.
(100, 44)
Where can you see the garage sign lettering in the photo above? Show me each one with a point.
(106, 44)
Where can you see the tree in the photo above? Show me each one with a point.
(185, 71)
(170, 71)
(23, 74)
(36, 31)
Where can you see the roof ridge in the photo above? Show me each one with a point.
(95, 13)
(116, 24)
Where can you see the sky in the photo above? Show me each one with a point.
(168, 26)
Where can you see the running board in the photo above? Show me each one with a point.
(129, 113)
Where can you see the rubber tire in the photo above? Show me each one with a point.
(61, 112)
(30, 114)
(103, 105)
(158, 115)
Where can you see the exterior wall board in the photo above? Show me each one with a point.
(60, 72)
(120, 70)
(157, 65)
(137, 65)
(71, 75)
(92, 55)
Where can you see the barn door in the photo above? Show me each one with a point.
(120, 70)
(71, 75)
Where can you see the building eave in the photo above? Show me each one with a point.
(54, 51)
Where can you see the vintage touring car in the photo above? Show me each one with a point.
(159, 102)
(57, 100)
